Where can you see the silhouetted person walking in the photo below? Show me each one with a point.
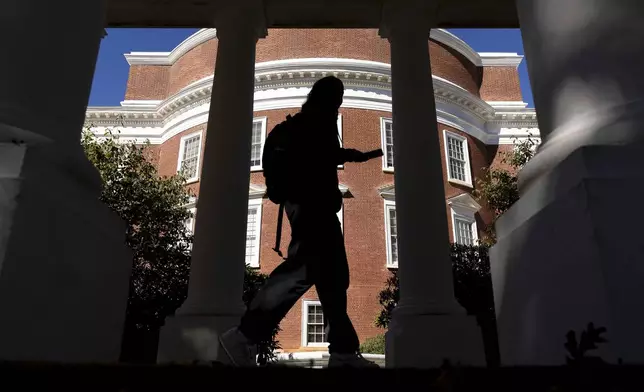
(316, 253)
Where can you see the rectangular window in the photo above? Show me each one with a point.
(391, 226)
(387, 131)
(457, 156)
(253, 232)
(189, 156)
(340, 136)
(257, 144)
(464, 227)
(313, 328)
(464, 232)
(190, 222)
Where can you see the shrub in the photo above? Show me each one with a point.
(374, 345)
(472, 288)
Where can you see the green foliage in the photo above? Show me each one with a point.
(472, 288)
(388, 299)
(588, 341)
(374, 345)
(154, 209)
(499, 187)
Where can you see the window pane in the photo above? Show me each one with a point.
(315, 324)
(393, 235)
(256, 147)
(456, 158)
(464, 234)
(252, 242)
(190, 159)
(389, 144)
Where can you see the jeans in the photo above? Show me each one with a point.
(316, 256)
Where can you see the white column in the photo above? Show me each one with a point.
(569, 251)
(64, 266)
(217, 271)
(428, 324)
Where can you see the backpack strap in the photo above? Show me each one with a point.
(278, 233)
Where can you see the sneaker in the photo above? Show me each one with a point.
(238, 348)
(351, 360)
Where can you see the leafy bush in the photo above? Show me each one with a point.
(374, 345)
(253, 281)
(154, 209)
(472, 288)
(499, 187)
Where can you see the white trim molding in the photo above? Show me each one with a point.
(304, 328)
(284, 84)
(169, 58)
(500, 59)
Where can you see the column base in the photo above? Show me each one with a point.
(426, 341)
(188, 338)
(569, 253)
(64, 264)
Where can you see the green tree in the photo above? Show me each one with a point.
(154, 209)
(499, 186)
(472, 289)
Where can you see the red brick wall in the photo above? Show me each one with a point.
(364, 224)
(158, 82)
(501, 84)
(147, 82)
(198, 63)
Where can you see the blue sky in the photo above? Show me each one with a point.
(111, 74)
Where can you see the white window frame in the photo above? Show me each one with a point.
(181, 152)
(339, 123)
(190, 224)
(255, 202)
(466, 152)
(305, 322)
(383, 141)
(389, 204)
(261, 120)
(340, 215)
(469, 218)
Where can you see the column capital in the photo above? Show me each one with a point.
(246, 16)
(407, 16)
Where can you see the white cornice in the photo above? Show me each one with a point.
(286, 83)
(169, 58)
(500, 59)
(387, 192)
(449, 39)
(464, 201)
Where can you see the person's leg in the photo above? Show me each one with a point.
(331, 282)
(285, 285)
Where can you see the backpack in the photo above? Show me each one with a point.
(275, 165)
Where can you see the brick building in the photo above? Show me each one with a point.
(480, 112)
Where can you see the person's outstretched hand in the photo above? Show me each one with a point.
(354, 155)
